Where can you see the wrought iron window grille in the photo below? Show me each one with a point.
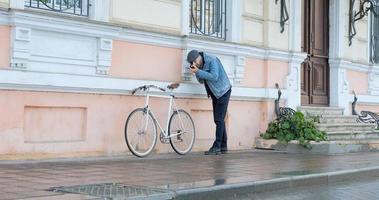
(74, 7)
(208, 17)
(365, 6)
(365, 116)
(282, 112)
(284, 16)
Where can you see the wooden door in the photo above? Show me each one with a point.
(315, 42)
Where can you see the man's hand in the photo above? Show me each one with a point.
(194, 69)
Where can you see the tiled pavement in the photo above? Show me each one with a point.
(31, 179)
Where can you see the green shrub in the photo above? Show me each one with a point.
(297, 127)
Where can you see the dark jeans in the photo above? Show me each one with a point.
(220, 106)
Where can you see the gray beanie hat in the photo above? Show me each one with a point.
(192, 55)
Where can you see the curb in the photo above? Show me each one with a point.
(234, 190)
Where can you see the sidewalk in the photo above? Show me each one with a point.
(194, 176)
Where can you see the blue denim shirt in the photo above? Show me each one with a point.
(214, 74)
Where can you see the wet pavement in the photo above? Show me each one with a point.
(172, 173)
(358, 190)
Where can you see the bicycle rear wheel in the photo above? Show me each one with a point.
(140, 132)
(181, 130)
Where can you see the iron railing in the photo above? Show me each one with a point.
(75, 7)
(282, 112)
(365, 116)
(365, 6)
(208, 17)
(374, 47)
(284, 16)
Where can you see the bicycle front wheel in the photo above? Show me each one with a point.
(181, 132)
(140, 132)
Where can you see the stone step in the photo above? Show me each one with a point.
(354, 136)
(321, 111)
(355, 127)
(338, 119)
(324, 147)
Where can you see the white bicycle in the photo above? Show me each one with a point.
(141, 125)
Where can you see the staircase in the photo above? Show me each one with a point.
(345, 134)
(339, 127)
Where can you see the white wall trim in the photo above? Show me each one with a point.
(104, 56)
(293, 79)
(20, 47)
(4, 18)
(185, 13)
(345, 64)
(338, 84)
(17, 4)
(39, 81)
(95, 29)
(365, 99)
(337, 29)
(79, 26)
(295, 26)
(99, 10)
(233, 21)
(373, 81)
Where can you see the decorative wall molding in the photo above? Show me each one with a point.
(293, 79)
(371, 70)
(233, 32)
(185, 13)
(39, 81)
(365, 99)
(85, 27)
(293, 85)
(104, 56)
(337, 29)
(4, 17)
(339, 90)
(232, 54)
(373, 83)
(62, 24)
(239, 70)
(345, 64)
(99, 10)
(17, 4)
(20, 48)
(339, 86)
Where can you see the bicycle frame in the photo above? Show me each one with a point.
(171, 105)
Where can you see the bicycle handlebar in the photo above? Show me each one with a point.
(145, 87)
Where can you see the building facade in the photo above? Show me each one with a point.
(67, 66)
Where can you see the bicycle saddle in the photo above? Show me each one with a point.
(173, 86)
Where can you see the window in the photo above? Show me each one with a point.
(75, 7)
(374, 47)
(208, 17)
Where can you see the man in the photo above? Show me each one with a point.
(210, 72)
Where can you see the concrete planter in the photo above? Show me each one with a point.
(324, 147)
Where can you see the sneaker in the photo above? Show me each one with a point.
(213, 151)
(224, 151)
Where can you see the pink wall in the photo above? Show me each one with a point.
(139, 61)
(265, 73)
(277, 72)
(66, 124)
(4, 46)
(255, 73)
(358, 81)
